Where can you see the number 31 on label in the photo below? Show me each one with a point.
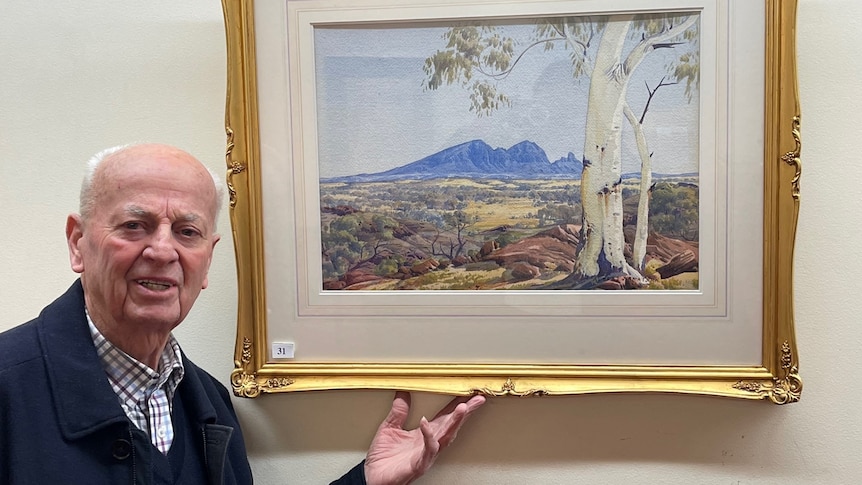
(282, 350)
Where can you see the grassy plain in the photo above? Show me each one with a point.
(485, 210)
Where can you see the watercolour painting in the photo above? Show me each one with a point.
(531, 154)
(436, 195)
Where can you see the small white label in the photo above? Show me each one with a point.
(282, 350)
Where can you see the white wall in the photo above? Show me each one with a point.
(76, 77)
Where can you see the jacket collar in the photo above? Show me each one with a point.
(194, 394)
(83, 398)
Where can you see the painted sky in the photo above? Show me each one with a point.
(373, 113)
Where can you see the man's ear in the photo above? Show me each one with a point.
(215, 239)
(74, 233)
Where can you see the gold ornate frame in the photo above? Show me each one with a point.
(776, 379)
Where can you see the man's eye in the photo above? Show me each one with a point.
(132, 225)
(189, 232)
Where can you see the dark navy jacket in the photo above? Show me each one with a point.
(60, 421)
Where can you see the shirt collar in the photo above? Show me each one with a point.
(132, 380)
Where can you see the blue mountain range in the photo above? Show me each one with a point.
(478, 160)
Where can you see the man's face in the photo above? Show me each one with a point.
(144, 250)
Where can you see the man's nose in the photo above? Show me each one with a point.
(161, 245)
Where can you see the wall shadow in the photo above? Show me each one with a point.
(604, 428)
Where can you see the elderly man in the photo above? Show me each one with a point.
(96, 390)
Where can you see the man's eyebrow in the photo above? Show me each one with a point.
(138, 211)
(189, 217)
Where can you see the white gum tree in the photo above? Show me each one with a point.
(642, 227)
(480, 58)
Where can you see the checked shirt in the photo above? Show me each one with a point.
(145, 395)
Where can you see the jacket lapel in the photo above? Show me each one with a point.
(83, 398)
(216, 437)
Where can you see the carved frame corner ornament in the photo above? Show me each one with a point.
(508, 389)
(250, 384)
(785, 389)
(244, 385)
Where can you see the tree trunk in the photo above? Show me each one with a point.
(601, 255)
(601, 192)
(642, 228)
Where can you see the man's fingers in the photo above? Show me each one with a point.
(450, 406)
(403, 395)
(448, 428)
(473, 402)
(398, 413)
(432, 445)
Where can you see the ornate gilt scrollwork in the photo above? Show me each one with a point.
(234, 167)
(244, 385)
(793, 157)
(787, 390)
(248, 385)
(749, 386)
(508, 389)
(783, 389)
(276, 383)
(246, 351)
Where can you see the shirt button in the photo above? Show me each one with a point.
(162, 432)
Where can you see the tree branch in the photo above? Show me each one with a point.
(505, 73)
(639, 52)
(651, 94)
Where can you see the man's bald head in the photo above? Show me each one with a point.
(132, 153)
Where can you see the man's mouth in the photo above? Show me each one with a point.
(154, 285)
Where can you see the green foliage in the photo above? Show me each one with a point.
(477, 56)
(348, 225)
(469, 49)
(655, 285)
(673, 284)
(686, 67)
(386, 267)
(576, 33)
(498, 52)
(459, 220)
(482, 266)
(553, 214)
(352, 238)
(507, 238)
(484, 99)
(674, 211)
(452, 280)
(383, 226)
(650, 272)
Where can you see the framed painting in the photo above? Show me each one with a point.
(514, 197)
